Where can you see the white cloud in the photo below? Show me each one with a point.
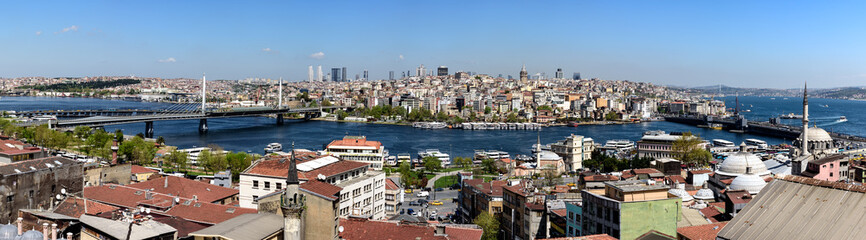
(269, 50)
(266, 49)
(167, 60)
(70, 28)
(318, 55)
(401, 56)
(38, 33)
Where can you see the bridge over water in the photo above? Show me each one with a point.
(760, 128)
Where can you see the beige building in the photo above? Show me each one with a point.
(357, 148)
(574, 150)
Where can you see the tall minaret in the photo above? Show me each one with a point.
(804, 143)
(538, 148)
(293, 203)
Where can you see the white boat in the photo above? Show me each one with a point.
(757, 143)
(443, 157)
(842, 119)
(273, 147)
(723, 143)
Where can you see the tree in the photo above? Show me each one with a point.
(81, 132)
(118, 135)
(489, 224)
(611, 116)
(487, 110)
(687, 149)
(432, 164)
(544, 107)
(178, 159)
(205, 159)
(239, 161)
(512, 118)
(138, 150)
(551, 177)
(489, 166)
(326, 103)
(463, 162)
(160, 140)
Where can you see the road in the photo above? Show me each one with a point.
(446, 197)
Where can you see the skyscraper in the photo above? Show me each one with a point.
(320, 73)
(344, 79)
(366, 75)
(335, 74)
(576, 76)
(310, 73)
(420, 71)
(390, 75)
(442, 71)
(524, 76)
(559, 74)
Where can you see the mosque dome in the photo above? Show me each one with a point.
(8, 232)
(817, 134)
(31, 235)
(749, 182)
(548, 156)
(704, 194)
(736, 164)
(681, 193)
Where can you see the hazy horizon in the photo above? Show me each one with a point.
(688, 44)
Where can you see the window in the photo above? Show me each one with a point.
(10, 198)
(255, 199)
(255, 184)
(267, 185)
(279, 185)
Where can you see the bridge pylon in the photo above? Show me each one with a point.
(148, 129)
(202, 125)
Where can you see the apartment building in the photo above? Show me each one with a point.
(358, 148)
(574, 150)
(629, 209)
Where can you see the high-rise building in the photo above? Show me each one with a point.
(420, 71)
(442, 71)
(344, 79)
(576, 76)
(357, 77)
(320, 73)
(335, 75)
(559, 74)
(366, 75)
(524, 76)
(390, 75)
(310, 73)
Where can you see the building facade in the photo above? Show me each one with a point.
(358, 148)
(33, 184)
(629, 209)
(573, 150)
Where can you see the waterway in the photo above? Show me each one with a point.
(254, 133)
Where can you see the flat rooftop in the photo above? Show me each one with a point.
(636, 186)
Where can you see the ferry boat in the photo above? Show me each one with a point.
(491, 154)
(445, 158)
(273, 147)
(723, 143)
(757, 143)
(792, 116)
(619, 144)
(716, 126)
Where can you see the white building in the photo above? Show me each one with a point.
(362, 194)
(357, 148)
(573, 150)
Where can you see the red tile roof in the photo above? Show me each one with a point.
(562, 212)
(600, 178)
(363, 229)
(336, 168)
(390, 185)
(645, 171)
(459, 233)
(274, 167)
(139, 169)
(74, 207)
(187, 188)
(712, 213)
(700, 171)
(675, 179)
(701, 232)
(354, 142)
(739, 197)
(129, 197)
(322, 189)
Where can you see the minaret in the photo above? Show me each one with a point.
(804, 143)
(293, 203)
(538, 148)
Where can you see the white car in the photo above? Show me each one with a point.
(422, 194)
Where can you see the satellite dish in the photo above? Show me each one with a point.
(176, 200)
(147, 210)
(63, 190)
(141, 209)
(59, 196)
(341, 228)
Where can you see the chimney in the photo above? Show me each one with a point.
(440, 230)
(44, 231)
(20, 226)
(54, 231)
(165, 185)
(147, 194)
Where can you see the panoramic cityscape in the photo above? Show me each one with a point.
(449, 120)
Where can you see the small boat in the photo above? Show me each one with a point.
(842, 119)
(273, 147)
(573, 124)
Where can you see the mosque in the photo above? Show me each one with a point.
(813, 144)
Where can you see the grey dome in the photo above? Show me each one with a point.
(704, 194)
(736, 164)
(682, 194)
(749, 182)
(8, 232)
(817, 134)
(548, 156)
(31, 235)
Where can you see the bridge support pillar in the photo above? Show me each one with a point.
(280, 120)
(148, 129)
(202, 125)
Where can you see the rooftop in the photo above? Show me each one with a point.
(186, 188)
(247, 226)
(701, 232)
(119, 229)
(355, 141)
(636, 186)
(35, 165)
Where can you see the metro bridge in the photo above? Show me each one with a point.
(100, 118)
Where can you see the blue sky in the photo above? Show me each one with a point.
(682, 43)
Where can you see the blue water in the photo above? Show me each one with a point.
(254, 133)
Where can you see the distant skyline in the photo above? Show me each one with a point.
(778, 44)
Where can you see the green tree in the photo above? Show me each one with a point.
(512, 118)
(326, 103)
(612, 116)
(178, 159)
(239, 161)
(160, 140)
(138, 150)
(544, 107)
(687, 149)
(489, 224)
(487, 110)
(463, 162)
(550, 177)
(205, 159)
(118, 135)
(81, 132)
(432, 164)
(489, 166)
(441, 116)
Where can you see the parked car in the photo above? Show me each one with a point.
(428, 189)
(408, 190)
(422, 194)
(436, 203)
(410, 211)
(455, 186)
(421, 202)
(439, 189)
